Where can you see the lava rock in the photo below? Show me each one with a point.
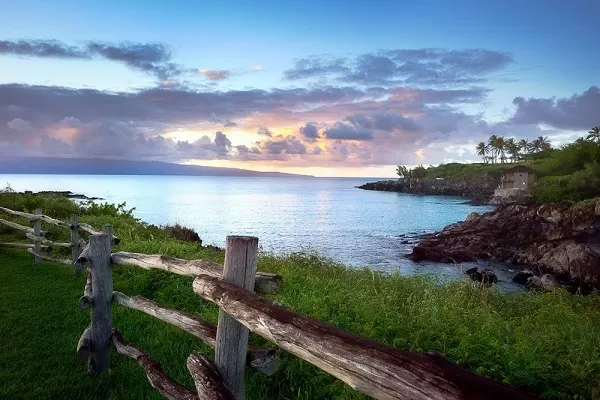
(521, 277)
(546, 282)
(561, 239)
(487, 276)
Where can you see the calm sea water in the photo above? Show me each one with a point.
(326, 215)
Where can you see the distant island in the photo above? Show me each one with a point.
(96, 166)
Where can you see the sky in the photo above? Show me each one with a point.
(327, 88)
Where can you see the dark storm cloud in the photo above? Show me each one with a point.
(151, 58)
(419, 66)
(580, 111)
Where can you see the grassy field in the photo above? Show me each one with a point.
(548, 343)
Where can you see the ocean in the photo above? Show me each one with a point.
(329, 216)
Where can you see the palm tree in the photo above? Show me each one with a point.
(544, 143)
(512, 148)
(534, 146)
(594, 134)
(500, 148)
(483, 150)
(492, 143)
(524, 146)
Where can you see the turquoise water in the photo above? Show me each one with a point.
(326, 215)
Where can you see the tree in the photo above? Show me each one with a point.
(402, 171)
(492, 142)
(524, 146)
(500, 145)
(419, 172)
(544, 143)
(512, 148)
(483, 150)
(594, 134)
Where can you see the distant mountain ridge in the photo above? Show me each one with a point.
(96, 166)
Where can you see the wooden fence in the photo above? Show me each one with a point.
(378, 370)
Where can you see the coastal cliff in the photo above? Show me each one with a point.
(474, 188)
(560, 239)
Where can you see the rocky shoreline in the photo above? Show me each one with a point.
(562, 240)
(479, 191)
(64, 193)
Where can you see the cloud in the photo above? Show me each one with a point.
(151, 58)
(578, 112)
(264, 131)
(18, 124)
(288, 145)
(41, 48)
(316, 66)
(159, 105)
(215, 74)
(385, 122)
(401, 66)
(309, 131)
(344, 131)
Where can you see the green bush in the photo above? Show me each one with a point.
(581, 185)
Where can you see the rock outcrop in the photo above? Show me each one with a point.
(482, 188)
(559, 239)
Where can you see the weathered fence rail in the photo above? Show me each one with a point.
(375, 369)
(264, 283)
(41, 238)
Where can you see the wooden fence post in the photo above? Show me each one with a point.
(76, 246)
(102, 289)
(241, 257)
(37, 231)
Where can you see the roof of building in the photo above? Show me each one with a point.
(519, 168)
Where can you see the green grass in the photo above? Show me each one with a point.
(546, 343)
(458, 171)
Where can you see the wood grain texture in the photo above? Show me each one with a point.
(47, 242)
(75, 243)
(20, 227)
(24, 246)
(92, 231)
(380, 371)
(86, 301)
(99, 258)
(209, 383)
(37, 231)
(43, 217)
(83, 261)
(263, 360)
(47, 257)
(84, 346)
(154, 372)
(265, 282)
(241, 258)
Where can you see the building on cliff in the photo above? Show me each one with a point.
(513, 183)
(518, 177)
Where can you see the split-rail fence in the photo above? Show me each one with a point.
(375, 369)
